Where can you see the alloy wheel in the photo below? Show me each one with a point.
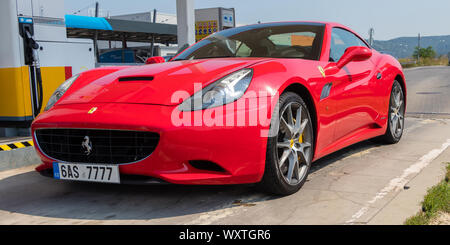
(397, 111)
(294, 143)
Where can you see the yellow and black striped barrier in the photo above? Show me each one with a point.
(16, 145)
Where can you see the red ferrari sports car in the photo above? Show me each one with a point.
(253, 104)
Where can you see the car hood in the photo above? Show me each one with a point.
(155, 83)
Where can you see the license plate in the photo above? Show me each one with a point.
(86, 172)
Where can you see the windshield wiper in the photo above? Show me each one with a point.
(212, 57)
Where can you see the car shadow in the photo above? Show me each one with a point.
(343, 153)
(31, 194)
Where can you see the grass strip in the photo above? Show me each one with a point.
(436, 201)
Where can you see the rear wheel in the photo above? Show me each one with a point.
(396, 118)
(290, 149)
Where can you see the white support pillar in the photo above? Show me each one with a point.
(185, 22)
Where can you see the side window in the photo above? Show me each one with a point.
(243, 50)
(340, 41)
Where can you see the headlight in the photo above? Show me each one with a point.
(221, 92)
(60, 92)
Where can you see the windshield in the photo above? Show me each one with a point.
(278, 40)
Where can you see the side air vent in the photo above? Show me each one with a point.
(136, 79)
(206, 165)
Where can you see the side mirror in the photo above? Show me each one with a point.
(354, 54)
(155, 60)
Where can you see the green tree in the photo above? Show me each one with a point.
(424, 52)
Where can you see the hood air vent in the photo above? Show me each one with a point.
(136, 79)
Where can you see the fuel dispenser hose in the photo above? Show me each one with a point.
(35, 72)
(39, 89)
(36, 78)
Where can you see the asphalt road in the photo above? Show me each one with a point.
(429, 91)
(357, 185)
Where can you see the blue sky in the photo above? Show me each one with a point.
(390, 18)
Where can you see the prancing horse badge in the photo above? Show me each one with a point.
(322, 71)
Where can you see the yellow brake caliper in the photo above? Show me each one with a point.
(300, 140)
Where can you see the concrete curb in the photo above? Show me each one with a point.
(18, 158)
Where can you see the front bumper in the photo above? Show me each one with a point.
(239, 150)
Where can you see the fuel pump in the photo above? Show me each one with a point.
(36, 57)
(31, 57)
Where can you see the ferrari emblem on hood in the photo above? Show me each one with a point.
(92, 110)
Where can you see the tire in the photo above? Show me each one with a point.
(396, 115)
(290, 148)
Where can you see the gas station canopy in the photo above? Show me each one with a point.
(119, 30)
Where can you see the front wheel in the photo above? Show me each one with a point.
(396, 118)
(290, 148)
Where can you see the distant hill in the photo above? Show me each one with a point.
(403, 47)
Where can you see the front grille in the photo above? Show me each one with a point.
(106, 146)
